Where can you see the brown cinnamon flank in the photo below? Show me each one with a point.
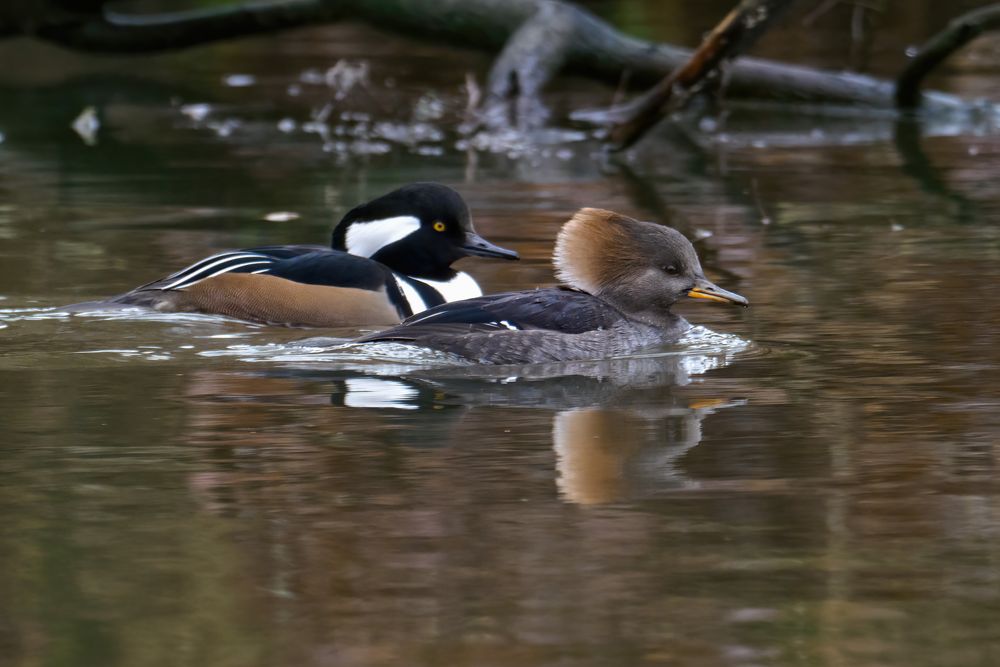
(273, 300)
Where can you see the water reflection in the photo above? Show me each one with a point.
(609, 455)
(618, 428)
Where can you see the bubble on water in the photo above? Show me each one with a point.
(287, 125)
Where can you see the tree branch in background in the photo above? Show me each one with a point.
(566, 37)
(957, 34)
(106, 31)
(532, 56)
(740, 28)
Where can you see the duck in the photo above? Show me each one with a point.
(389, 258)
(620, 277)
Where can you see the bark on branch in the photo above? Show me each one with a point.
(957, 34)
(734, 34)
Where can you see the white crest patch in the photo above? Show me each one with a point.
(462, 286)
(377, 393)
(365, 238)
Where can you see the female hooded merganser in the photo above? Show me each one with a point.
(391, 258)
(621, 277)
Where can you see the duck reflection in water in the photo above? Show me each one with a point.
(619, 427)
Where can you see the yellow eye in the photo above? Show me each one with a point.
(438, 226)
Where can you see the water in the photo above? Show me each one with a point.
(810, 481)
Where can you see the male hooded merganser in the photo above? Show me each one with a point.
(621, 277)
(391, 258)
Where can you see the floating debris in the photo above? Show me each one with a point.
(239, 80)
(226, 127)
(196, 112)
(345, 75)
(430, 151)
(287, 125)
(87, 125)
(428, 107)
(408, 134)
(281, 216)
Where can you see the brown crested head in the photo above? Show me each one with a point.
(639, 267)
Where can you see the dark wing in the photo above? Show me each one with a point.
(551, 309)
(334, 268)
(287, 251)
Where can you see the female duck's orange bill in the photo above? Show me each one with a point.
(705, 289)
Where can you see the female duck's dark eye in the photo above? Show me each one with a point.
(671, 270)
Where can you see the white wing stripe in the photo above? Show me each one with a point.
(212, 259)
(228, 269)
(196, 270)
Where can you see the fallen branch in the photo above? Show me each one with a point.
(532, 56)
(570, 39)
(957, 34)
(740, 28)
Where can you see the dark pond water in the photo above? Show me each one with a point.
(814, 483)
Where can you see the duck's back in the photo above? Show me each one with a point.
(543, 325)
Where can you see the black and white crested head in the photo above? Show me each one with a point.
(418, 230)
(639, 267)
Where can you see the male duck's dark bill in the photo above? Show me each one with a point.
(704, 289)
(477, 245)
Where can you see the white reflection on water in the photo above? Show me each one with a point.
(108, 313)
